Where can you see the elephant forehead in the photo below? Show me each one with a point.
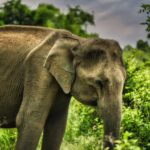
(90, 71)
(108, 45)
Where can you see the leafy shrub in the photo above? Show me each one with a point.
(127, 142)
(84, 127)
(7, 139)
(136, 114)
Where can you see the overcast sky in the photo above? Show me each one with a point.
(114, 19)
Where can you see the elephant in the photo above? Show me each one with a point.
(41, 68)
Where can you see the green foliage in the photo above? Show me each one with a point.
(7, 139)
(46, 15)
(145, 8)
(82, 116)
(14, 12)
(143, 45)
(75, 20)
(84, 125)
(136, 114)
(127, 142)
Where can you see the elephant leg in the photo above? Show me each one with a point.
(39, 93)
(55, 126)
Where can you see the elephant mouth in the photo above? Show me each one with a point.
(86, 100)
(92, 102)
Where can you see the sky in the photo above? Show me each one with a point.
(114, 19)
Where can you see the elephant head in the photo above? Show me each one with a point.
(92, 71)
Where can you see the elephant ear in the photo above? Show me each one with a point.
(59, 62)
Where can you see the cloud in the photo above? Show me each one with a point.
(119, 20)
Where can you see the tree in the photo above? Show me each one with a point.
(46, 15)
(143, 45)
(13, 12)
(145, 8)
(75, 20)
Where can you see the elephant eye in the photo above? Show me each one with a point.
(94, 55)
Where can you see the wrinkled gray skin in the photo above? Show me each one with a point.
(41, 68)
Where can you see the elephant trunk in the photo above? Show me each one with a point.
(110, 110)
(111, 126)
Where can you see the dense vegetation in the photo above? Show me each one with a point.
(84, 128)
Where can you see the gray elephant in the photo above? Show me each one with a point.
(40, 69)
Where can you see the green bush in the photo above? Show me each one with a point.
(84, 127)
(7, 139)
(136, 114)
(127, 142)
